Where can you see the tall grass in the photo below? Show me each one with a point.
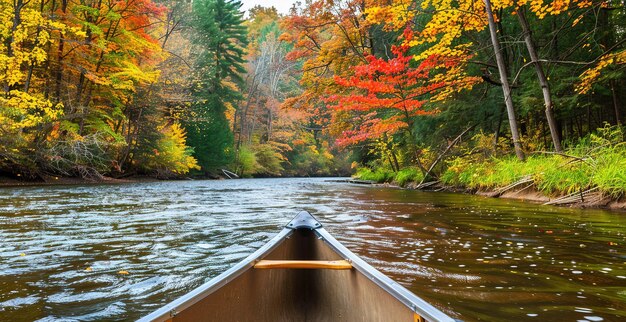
(380, 175)
(596, 161)
(408, 175)
(610, 175)
(383, 175)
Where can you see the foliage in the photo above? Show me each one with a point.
(593, 75)
(370, 71)
(379, 175)
(220, 38)
(383, 175)
(172, 156)
(408, 175)
(69, 89)
(269, 159)
(597, 161)
(93, 88)
(260, 160)
(386, 95)
(82, 156)
(247, 162)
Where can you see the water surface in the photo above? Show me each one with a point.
(117, 252)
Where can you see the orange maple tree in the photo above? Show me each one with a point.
(385, 96)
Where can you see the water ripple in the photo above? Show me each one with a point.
(117, 252)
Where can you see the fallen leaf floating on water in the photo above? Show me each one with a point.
(88, 269)
(123, 272)
(22, 254)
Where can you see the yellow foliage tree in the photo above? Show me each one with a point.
(24, 36)
(172, 154)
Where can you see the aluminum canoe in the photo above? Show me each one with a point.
(302, 274)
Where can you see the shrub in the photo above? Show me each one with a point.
(247, 162)
(171, 156)
(269, 160)
(598, 160)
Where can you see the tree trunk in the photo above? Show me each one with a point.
(496, 136)
(269, 123)
(505, 82)
(418, 159)
(393, 168)
(543, 81)
(395, 159)
(616, 105)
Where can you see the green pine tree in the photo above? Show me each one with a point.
(220, 39)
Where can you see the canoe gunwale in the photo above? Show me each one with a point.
(199, 293)
(415, 303)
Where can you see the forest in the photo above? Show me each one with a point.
(479, 94)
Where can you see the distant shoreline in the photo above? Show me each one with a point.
(60, 181)
(7, 182)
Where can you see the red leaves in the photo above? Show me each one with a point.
(384, 95)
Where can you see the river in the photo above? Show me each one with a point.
(117, 252)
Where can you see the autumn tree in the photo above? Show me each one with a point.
(156, 140)
(25, 112)
(80, 75)
(328, 39)
(386, 96)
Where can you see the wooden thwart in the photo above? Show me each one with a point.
(303, 264)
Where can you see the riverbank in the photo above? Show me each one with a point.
(528, 194)
(590, 174)
(523, 190)
(594, 199)
(58, 180)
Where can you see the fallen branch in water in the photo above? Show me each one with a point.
(523, 180)
(578, 196)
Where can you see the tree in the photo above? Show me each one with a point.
(504, 80)
(220, 41)
(543, 80)
(385, 96)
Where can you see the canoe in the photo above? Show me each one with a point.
(302, 274)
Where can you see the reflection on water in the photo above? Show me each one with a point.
(65, 251)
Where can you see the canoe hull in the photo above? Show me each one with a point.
(245, 293)
(299, 294)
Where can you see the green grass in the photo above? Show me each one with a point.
(610, 174)
(379, 175)
(552, 174)
(383, 175)
(408, 175)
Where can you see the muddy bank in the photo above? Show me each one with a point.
(584, 199)
(55, 180)
(580, 200)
